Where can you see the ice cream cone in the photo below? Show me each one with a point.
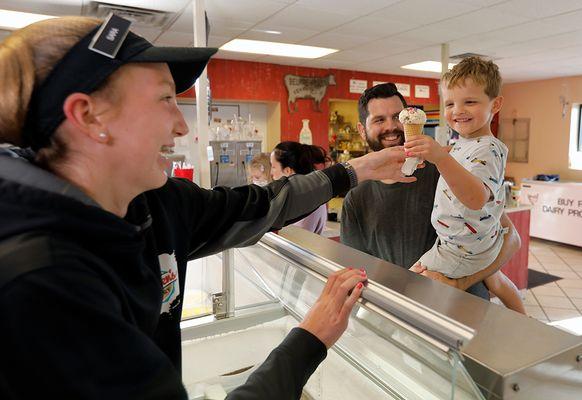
(413, 120)
(412, 130)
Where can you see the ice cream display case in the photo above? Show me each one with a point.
(408, 337)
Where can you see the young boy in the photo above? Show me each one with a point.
(469, 199)
(259, 172)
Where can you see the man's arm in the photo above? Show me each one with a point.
(511, 244)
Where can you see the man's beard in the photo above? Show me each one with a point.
(376, 144)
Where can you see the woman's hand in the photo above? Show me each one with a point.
(381, 165)
(426, 148)
(328, 318)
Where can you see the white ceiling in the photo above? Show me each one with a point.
(528, 39)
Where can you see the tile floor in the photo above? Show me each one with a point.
(562, 299)
(559, 302)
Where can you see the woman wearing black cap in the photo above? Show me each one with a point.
(94, 239)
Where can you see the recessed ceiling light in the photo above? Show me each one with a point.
(276, 49)
(15, 19)
(429, 66)
(267, 31)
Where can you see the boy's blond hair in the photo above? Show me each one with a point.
(482, 72)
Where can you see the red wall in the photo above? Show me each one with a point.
(243, 80)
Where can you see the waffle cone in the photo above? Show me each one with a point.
(411, 130)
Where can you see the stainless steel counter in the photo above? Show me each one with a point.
(510, 356)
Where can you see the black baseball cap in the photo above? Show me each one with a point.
(83, 70)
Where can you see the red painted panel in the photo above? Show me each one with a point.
(244, 80)
(516, 269)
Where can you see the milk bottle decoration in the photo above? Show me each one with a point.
(305, 136)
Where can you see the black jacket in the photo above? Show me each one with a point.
(90, 303)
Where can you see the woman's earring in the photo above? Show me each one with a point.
(103, 136)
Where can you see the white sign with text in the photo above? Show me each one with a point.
(422, 91)
(404, 89)
(556, 212)
(358, 85)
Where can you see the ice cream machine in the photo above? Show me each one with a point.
(230, 161)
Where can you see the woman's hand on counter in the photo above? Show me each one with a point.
(381, 165)
(328, 318)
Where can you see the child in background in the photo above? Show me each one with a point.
(260, 170)
(469, 199)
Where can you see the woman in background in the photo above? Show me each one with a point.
(290, 158)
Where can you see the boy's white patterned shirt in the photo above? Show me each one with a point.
(472, 231)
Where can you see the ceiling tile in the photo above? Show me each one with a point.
(351, 55)
(217, 41)
(559, 41)
(226, 29)
(568, 22)
(395, 45)
(288, 35)
(301, 17)
(482, 3)
(373, 27)
(537, 8)
(483, 21)
(350, 7)
(524, 32)
(480, 44)
(433, 34)
(529, 39)
(422, 12)
(514, 50)
(336, 41)
(245, 10)
(218, 26)
(175, 39)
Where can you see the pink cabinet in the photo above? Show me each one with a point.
(516, 268)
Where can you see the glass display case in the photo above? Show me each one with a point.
(408, 337)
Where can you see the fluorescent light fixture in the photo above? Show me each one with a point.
(276, 49)
(429, 66)
(15, 19)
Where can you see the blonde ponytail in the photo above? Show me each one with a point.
(27, 57)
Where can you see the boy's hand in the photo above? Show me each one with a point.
(426, 148)
(417, 268)
(436, 276)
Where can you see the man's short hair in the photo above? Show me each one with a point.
(381, 91)
(482, 72)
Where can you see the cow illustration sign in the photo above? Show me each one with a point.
(306, 87)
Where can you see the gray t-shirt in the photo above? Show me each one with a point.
(392, 221)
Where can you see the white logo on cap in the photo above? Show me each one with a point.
(112, 34)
